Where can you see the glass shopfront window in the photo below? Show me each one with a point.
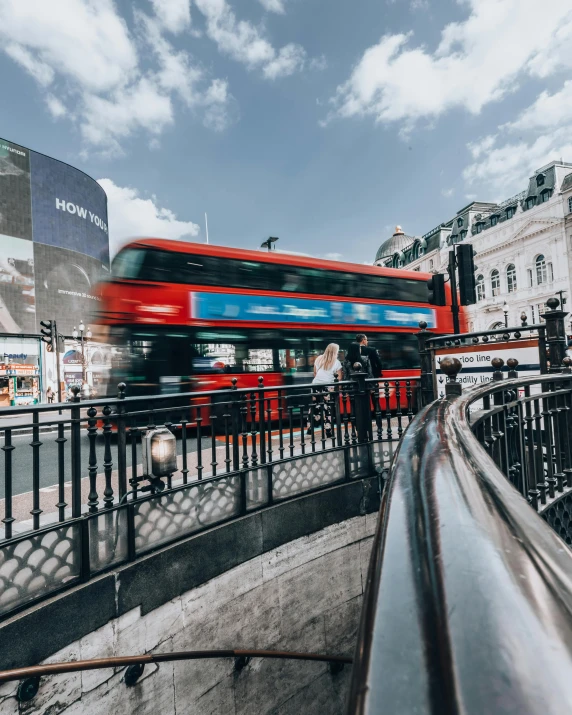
(19, 371)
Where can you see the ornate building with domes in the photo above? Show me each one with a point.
(523, 249)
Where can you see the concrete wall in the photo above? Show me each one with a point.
(304, 595)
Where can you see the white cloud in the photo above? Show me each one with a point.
(85, 40)
(245, 43)
(55, 107)
(276, 6)
(415, 5)
(113, 85)
(477, 61)
(447, 193)
(132, 216)
(547, 112)
(544, 134)
(289, 60)
(174, 15)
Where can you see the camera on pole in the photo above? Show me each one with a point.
(466, 269)
(48, 334)
(436, 288)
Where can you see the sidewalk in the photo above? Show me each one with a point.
(48, 421)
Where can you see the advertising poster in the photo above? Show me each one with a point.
(65, 286)
(15, 201)
(17, 299)
(69, 208)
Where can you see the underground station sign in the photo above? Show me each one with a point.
(476, 361)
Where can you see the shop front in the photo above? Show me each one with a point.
(20, 382)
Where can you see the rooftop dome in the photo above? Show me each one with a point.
(393, 245)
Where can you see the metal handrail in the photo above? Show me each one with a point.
(36, 671)
(468, 603)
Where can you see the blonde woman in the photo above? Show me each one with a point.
(326, 367)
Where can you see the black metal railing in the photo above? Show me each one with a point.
(550, 337)
(469, 590)
(78, 500)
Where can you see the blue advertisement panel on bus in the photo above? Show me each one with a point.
(278, 309)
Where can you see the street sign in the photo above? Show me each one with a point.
(476, 361)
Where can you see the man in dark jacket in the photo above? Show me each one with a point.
(371, 353)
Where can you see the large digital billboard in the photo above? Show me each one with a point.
(54, 243)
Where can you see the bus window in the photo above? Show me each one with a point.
(127, 264)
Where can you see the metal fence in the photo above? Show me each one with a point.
(468, 589)
(77, 499)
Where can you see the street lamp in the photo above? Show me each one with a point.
(80, 335)
(268, 243)
(505, 311)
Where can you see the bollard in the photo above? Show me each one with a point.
(451, 366)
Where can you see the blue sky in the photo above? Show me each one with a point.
(319, 121)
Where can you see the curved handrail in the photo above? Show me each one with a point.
(468, 604)
(36, 671)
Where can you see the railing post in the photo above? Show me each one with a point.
(235, 423)
(512, 364)
(427, 385)
(121, 442)
(555, 334)
(362, 407)
(75, 453)
(451, 366)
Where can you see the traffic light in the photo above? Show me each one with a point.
(436, 288)
(466, 266)
(48, 333)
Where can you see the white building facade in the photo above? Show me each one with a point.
(523, 250)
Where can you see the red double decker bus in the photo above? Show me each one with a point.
(187, 316)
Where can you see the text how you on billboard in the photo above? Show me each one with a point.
(69, 208)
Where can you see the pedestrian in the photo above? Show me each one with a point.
(371, 354)
(49, 394)
(326, 368)
(356, 360)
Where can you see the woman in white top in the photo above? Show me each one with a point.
(326, 367)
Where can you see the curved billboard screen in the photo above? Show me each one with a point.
(54, 243)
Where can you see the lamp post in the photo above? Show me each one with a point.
(505, 311)
(79, 335)
(268, 243)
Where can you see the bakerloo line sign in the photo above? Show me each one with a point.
(476, 361)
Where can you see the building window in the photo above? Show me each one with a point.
(479, 227)
(431, 264)
(530, 201)
(532, 315)
(570, 204)
(550, 272)
(495, 283)
(544, 196)
(540, 180)
(494, 220)
(510, 212)
(459, 222)
(480, 283)
(541, 310)
(511, 278)
(530, 283)
(463, 234)
(540, 270)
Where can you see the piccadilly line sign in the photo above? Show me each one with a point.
(280, 309)
(476, 361)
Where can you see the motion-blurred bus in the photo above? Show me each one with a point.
(186, 316)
